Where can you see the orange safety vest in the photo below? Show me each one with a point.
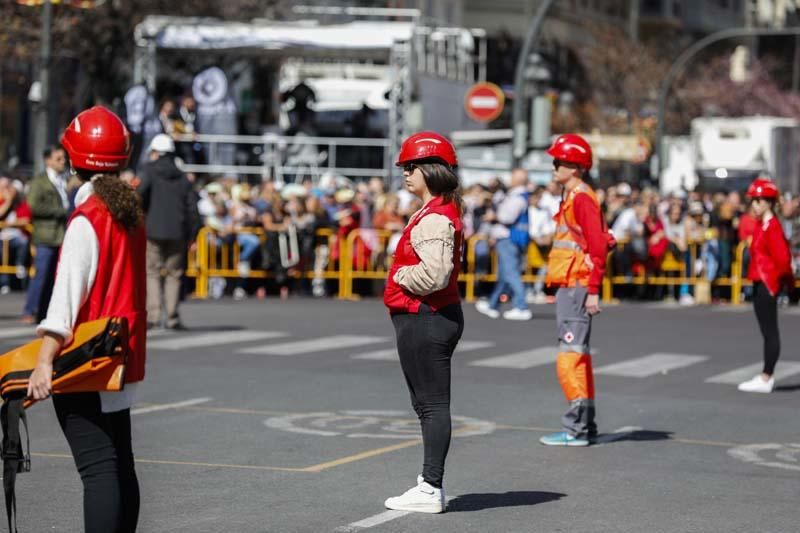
(567, 264)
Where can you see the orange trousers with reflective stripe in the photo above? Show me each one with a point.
(575, 375)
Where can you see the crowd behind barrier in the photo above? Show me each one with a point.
(337, 237)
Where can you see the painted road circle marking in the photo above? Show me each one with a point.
(362, 424)
(773, 455)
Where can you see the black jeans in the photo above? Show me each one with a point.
(101, 445)
(426, 342)
(766, 307)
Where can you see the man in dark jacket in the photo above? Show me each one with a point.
(172, 222)
(47, 198)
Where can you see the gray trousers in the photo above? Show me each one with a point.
(574, 361)
(165, 267)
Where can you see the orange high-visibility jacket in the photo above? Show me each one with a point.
(567, 264)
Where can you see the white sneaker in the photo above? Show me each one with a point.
(686, 299)
(539, 299)
(244, 269)
(757, 384)
(5, 289)
(423, 498)
(483, 308)
(518, 314)
(239, 293)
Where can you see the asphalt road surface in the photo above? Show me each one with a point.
(270, 416)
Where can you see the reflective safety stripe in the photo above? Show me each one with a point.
(582, 402)
(563, 228)
(567, 245)
(574, 348)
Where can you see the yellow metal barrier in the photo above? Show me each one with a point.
(212, 259)
(5, 254)
(363, 255)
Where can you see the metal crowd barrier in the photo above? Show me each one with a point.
(6, 266)
(364, 255)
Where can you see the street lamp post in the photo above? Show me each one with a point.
(519, 124)
(43, 106)
(684, 58)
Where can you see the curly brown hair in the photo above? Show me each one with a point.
(121, 199)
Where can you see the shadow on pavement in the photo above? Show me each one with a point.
(639, 435)
(787, 388)
(477, 502)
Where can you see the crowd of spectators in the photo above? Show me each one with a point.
(699, 230)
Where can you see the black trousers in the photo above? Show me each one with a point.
(766, 308)
(426, 342)
(101, 446)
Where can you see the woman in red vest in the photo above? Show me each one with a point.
(770, 269)
(425, 305)
(101, 273)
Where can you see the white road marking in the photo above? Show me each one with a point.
(165, 406)
(521, 360)
(390, 354)
(372, 521)
(752, 453)
(376, 520)
(784, 369)
(213, 339)
(336, 342)
(11, 333)
(650, 365)
(160, 332)
(386, 354)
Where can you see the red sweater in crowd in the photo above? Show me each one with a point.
(770, 257)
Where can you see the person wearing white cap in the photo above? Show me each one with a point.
(172, 222)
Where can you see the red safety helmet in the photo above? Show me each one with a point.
(97, 140)
(572, 148)
(763, 188)
(427, 145)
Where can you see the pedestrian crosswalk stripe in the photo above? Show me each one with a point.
(11, 333)
(521, 360)
(784, 369)
(650, 365)
(336, 342)
(159, 333)
(390, 354)
(212, 339)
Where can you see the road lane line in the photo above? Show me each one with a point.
(650, 365)
(784, 369)
(372, 521)
(213, 339)
(520, 360)
(185, 463)
(390, 354)
(11, 333)
(165, 406)
(335, 342)
(363, 455)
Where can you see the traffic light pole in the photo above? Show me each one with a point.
(519, 119)
(43, 109)
(685, 57)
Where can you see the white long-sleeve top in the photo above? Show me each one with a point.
(77, 269)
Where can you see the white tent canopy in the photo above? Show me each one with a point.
(211, 34)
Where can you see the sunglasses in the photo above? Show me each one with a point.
(409, 167)
(557, 163)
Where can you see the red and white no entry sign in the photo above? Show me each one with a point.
(484, 102)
